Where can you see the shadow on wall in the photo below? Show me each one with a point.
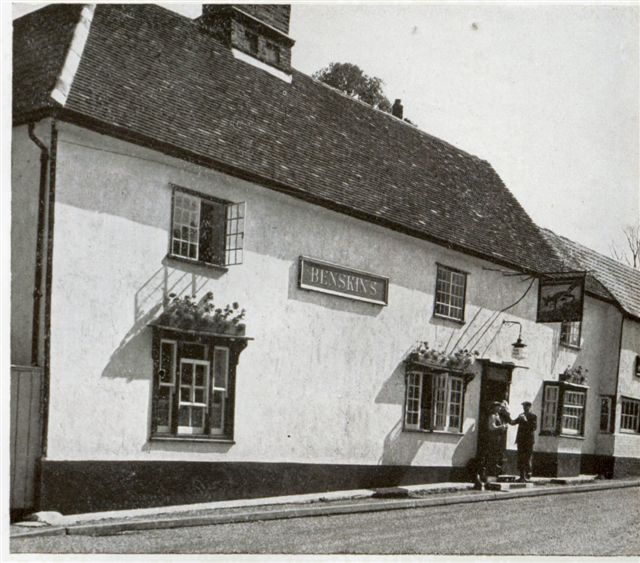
(134, 350)
(400, 447)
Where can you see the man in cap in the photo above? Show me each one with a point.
(527, 424)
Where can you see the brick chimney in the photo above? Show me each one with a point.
(258, 30)
(397, 109)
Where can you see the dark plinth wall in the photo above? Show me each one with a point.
(72, 487)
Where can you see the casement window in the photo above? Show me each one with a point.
(570, 333)
(207, 230)
(629, 415)
(194, 384)
(563, 408)
(450, 293)
(434, 401)
(606, 414)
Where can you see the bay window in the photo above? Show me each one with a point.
(194, 384)
(434, 401)
(629, 415)
(563, 408)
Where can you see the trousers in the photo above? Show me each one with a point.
(525, 453)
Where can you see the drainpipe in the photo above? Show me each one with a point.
(37, 290)
(53, 153)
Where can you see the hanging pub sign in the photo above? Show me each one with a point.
(345, 282)
(560, 297)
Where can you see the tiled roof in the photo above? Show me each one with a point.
(157, 75)
(606, 277)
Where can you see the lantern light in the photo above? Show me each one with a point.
(518, 348)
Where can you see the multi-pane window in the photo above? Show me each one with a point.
(434, 401)
(563, 408)
(207, 230)
(450, 293)
(570, 333)
(193, 386)
(606, 414)
(271, 53)
(630, 415)
(573, 412)
(550, 408)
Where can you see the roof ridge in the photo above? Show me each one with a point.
(613, 261)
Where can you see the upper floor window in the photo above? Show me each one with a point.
(563, 408)
(630, 415)
(251, 41)
(636, 368)
(434, 401)
(207, 230)
(570, 333)
(450, 293)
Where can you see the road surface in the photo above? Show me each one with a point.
(589, 523)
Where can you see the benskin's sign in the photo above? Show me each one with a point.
(345, 282)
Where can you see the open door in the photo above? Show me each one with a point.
(494, 386)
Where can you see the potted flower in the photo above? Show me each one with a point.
(577, 375)
(460, 360)
(202, 316)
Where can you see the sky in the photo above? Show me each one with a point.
(547, 93)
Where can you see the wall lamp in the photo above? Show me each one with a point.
(518, 348)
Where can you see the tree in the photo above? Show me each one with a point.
(351, 80)
(630, 254)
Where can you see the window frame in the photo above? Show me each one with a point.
(429, 404)
(450, 295)
(636, 367)
(607, 428)
(231, 231)
(636, 415)
(568, 328)
(180, 340)
(554, 417)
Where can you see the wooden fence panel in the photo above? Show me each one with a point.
(26, 425)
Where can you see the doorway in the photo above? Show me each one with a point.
(494, 386)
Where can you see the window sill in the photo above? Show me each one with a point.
(447, 432)
(561, 435)
(575, 347)
(184, 260)
(629, 432)
(192, 438)
(451, 319)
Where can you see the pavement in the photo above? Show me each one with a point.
(299, 506)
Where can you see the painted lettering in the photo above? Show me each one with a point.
(374, 287)
(334, 282)
(350, 283)
(342, 283)
(315, 273)
(360, 283)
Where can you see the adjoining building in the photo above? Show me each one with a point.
(164, 168)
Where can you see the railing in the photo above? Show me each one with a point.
(26, 434)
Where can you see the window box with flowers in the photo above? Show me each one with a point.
(196, 348)
(436, 384)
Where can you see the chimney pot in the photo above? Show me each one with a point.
(397, 109)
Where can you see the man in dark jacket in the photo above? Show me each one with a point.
(527, 424)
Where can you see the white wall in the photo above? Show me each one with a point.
(628, 444)
(323, 381)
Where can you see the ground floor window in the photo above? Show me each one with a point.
(434, 401)
(194, 384)
(606, 413)
(630, 415)
(563, 408)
